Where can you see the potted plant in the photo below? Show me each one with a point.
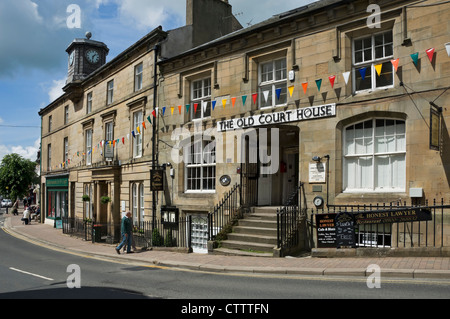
(85, 198)
(105, 199)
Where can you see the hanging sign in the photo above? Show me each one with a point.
(157, 180)
(302, 114)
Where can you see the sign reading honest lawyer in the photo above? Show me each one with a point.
(302, 114)
(407, 214)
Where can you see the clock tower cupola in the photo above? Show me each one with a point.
(85, 56)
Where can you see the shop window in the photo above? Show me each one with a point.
(200, 172)
(369, 53)
(375, 156)
(272, 83)
(57, 204)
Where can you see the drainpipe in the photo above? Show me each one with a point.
(154, 155)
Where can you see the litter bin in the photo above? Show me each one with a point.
(97, 233)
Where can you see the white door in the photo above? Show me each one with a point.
(199, 234)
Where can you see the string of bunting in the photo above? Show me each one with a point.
(254, 96)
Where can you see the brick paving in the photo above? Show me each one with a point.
(413, 267)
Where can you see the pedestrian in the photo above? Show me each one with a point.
(125, 229)
(26, 216)
(132, 242)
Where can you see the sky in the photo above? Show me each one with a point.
(34, 35)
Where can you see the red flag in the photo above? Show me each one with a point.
(395, 64)
(430, 53)
(123, 140)
(195, 107)
(305, 86)
(332, 78)
(254, 96)
(154, 113)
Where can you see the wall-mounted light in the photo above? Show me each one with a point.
(316, 159)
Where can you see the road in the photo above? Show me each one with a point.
(32, 271)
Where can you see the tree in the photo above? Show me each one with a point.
(16, 176)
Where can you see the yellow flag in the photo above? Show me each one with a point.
(171, 109)
(137, 129)
(378, 68)
(291, 90)
(224, 102)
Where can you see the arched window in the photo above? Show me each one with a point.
(374, 156)
(137, 202)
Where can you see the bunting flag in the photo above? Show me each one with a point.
(362, 72)
(172, 108)
(378, 68)
(205, 105)
(132, 133)
(233, 101)
(305, 86)
(187, 108)
(137, 129)
(123, 140)
(430, 53)
(195, 107)
(319, 83)
(266, 95)
(415, 58)
(291, 90)
(346, 76)
(244, 99)
(164, 110)
(143, 125)
(149, 119)
(395, 64)
(213, 104)
(332, 79)
(224, 102)
(154, 113)
(254, 97)
(278, 93)
(179, 109)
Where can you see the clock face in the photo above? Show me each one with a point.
(318, 201)
(71, 58)
(225, 180)
(92, 56)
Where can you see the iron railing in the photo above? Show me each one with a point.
(288, 220)
(224, 213)
(427, 233)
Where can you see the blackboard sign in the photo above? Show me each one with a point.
(345, 230)
(326, 231)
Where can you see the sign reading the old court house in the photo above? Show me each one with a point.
(302, 114)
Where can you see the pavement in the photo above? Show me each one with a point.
(395, 267)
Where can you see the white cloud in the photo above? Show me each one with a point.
(56, 89)
(27, 152)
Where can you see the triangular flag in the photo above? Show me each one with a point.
(164, 110)
(346, 76)
(143, 125)
(224, 102)
(332, 79)
(319, 83)
(362, 71)
(395, 64)
(149, 119)
(205, 105)
(305, 86)
(137, 129)
(378, 68)
(213, 104)
(430, 53)
(154, 113)
(179, 109)
(278, 93)
(233, 101)
(447, 47)
(195, 107)
(172, 108)
(415, 57)
(254, 97)
(266, 95)
(108, 143)
(187, 108)
(123, 140)
(291, 90)
(114, 143)
(132, 133)
(244, 99)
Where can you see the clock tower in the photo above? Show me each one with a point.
(85, 56)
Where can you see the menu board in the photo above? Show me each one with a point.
(345, 230)
(326, 231)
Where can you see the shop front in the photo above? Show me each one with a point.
(57, 198)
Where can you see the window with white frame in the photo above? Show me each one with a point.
(88, 190)
(201, 99)
(88, 144)
(137, 202)
(49, 157)
(110, 92)
(200, 170)
(66, 149)
(138, 70)
(375, 156)
(137, 139)
(89, 103)
(272, 83)
(373, 54)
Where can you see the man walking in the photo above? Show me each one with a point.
(125, 229)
